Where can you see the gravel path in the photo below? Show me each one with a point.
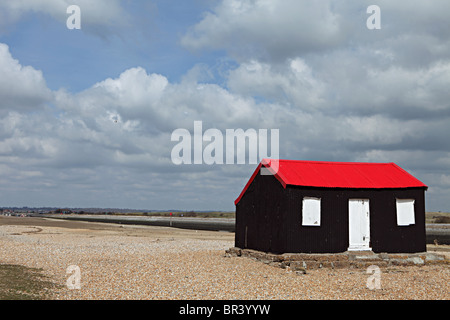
(133, 262)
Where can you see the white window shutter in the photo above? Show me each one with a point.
(405, 212)
(311, 211)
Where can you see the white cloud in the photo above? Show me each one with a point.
(117, 132)
(266, 28)
(21, 87)
(413, 33)
(292, 83)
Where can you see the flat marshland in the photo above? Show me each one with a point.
(147, 262)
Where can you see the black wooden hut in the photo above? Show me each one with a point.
(291, 206)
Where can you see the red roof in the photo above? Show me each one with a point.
(359, 175)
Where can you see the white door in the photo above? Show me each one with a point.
(359, 224)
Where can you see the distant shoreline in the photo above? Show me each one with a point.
(198, 223)
(435, 233)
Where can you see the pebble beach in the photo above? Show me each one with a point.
(155, 263)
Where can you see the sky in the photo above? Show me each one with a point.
(87, 115)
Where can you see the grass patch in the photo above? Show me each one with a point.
(23, 283)
(437, 217)
(198, 214)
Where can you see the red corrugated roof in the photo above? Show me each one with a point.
(359, 175)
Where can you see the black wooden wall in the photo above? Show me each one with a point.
(268, 218)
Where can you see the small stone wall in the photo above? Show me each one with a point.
(300, 262)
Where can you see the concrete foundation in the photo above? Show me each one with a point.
(350, 259)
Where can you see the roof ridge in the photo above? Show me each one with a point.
(338, 162)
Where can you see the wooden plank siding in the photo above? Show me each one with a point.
(269, 219)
